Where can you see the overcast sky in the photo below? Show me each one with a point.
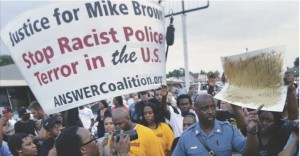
(225, 28)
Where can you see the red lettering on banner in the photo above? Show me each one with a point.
(56, 73)
(143, 35)
(90, 40)
(39, 56)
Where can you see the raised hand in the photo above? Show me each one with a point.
(288, 78)
(251, 119)
(4, 119)
(123, 146)
(164, 90)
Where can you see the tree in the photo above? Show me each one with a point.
(5, 60)
(176, 73)
(210, 74)
(296, 62)
(202, 72)
(170, 74)
(296, 67)
(182, 72)
(217, 73)
(214, 74)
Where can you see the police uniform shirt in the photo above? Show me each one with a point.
(222, 138)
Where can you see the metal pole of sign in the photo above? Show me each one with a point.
(185, 49)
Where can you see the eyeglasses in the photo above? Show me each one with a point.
(93, 139)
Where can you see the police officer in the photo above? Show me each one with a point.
(209, 136)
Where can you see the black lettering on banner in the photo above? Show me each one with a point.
(145, 10)
(105, 8)
(103, 88)
(66, 16)
(94, 89)
(120, 57)
(28, 29)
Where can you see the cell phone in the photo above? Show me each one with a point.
(132, 134)
(5, 111)
(106, 135)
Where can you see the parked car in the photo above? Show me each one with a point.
(200, 87)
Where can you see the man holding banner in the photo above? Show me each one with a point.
(76, 53)
(67, 65)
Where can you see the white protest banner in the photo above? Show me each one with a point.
(75, 53)
(255, 78)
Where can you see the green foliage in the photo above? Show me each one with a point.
(217, 73)
(213, 74)
(210, 74)
(5, 60)
(296, 62)
(202, 72)
(176, 73)
(180, 73)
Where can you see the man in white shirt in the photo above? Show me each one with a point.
(184, 104)
(87, 117)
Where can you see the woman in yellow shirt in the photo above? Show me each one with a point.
(153, 119)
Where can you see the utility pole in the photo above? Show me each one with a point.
(185, 49)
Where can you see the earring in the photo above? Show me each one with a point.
(19, 151)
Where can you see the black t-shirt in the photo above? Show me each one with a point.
(224, 115)
(47, 145)
(274, 146)
(28, 127)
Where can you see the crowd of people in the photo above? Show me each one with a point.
(155, 123)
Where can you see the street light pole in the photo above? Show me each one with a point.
(185, 50)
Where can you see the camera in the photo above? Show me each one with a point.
(292, 125)
(132, 134)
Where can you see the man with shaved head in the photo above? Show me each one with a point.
(212, 137)
(147, 143)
